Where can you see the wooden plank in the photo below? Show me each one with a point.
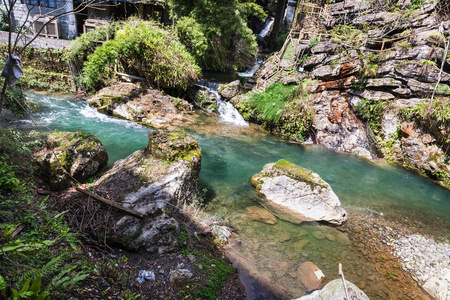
(111, 203)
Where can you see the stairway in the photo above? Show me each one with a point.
(286, 60)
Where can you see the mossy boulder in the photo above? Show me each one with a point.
(296, 194)
(152, 181)
(70, 155)
(171, 145)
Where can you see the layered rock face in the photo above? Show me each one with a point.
(70, 154)
(297, 194)
(384, 78)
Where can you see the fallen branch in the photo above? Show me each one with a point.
(111, 203)
(343, 281)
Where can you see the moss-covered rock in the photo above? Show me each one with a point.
(70, 155)
(152, 181)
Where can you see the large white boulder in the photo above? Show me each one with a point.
(297, 194)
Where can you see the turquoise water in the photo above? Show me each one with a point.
(231, 155)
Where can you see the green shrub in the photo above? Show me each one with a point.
(372, 111)
(231, 44)
(144, 49)
(284, 110)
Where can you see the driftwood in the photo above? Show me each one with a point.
(111, 203)
(343, 281)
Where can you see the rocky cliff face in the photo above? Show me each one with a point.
(371, 77)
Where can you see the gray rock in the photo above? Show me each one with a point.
(436, 287)
(335, 290)
(325, 47)
(378, 19)
(373, 95)
(179, 278)
(385, 82)
(326, 72)
(7, 115)
(425, 89)
(314, 60)
(152, 181)
(70, 154)
(297, 194)
(421, 71)
(229, 90)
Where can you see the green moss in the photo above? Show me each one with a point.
(298, 172)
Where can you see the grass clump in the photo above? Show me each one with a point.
(283, 109)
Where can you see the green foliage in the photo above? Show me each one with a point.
(217, 270)
(440, 111)
(34, 256)
(231, 44)
(284, 110)
(313, 41)
(86, 43)
(415, 4)
(184, 235)
(33, 292)
(144, 49)
(271, 103)
(347, 34)
(372, 111)
(4, 26)
(191, 34)
(8, 180)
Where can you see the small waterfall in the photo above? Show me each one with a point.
(266, 28)
(226, 110)
(251, 71)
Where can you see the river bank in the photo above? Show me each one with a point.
(231, 157)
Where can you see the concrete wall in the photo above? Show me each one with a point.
(40, 42)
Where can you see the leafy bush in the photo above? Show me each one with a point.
(86, 43)
(231, 44)
(371, 111)
(284, 110)
(192, 36)
(144, 49)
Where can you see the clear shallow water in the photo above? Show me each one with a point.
(231, 155)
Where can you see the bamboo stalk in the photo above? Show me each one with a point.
(111, 203)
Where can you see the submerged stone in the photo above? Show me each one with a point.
(297, 194)
(261, 215)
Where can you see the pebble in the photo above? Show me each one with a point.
(423, 257)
